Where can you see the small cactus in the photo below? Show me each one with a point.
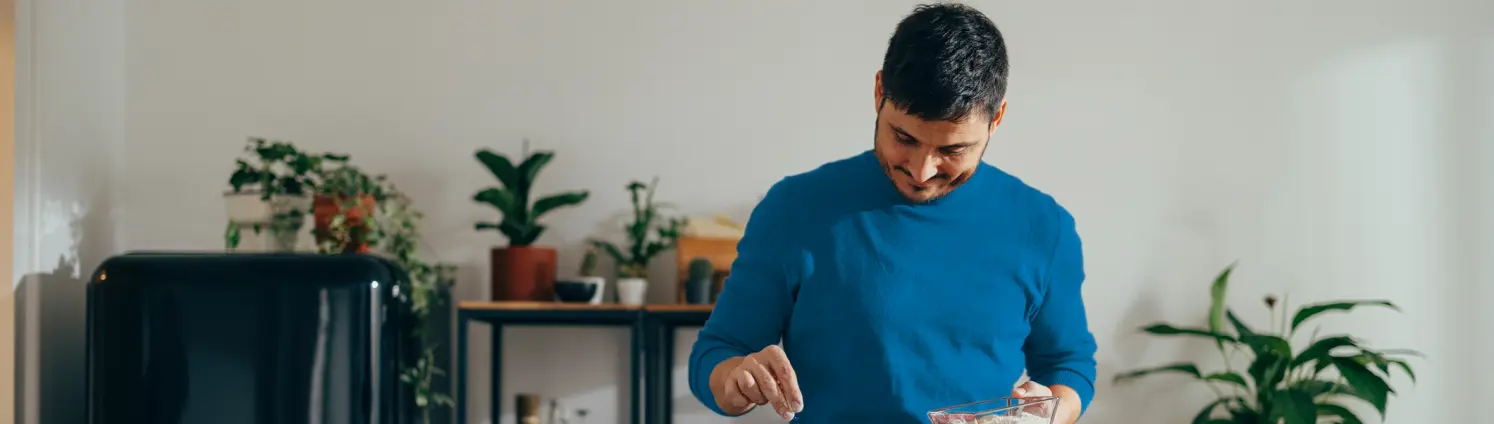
(700, 269)
(589, 263)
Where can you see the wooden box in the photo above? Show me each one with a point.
(720, 251)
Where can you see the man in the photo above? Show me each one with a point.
(912, 276)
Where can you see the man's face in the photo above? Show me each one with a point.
(927, 160)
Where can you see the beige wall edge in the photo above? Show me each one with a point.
(7, 208)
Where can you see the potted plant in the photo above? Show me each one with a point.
(521, 270)
(269, 192)
(343, 209)
(649, 234)
(588, 274)
(1281, 385)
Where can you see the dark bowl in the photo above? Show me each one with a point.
(574, 291)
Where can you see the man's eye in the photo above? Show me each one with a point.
(952, 150)
(907, 142)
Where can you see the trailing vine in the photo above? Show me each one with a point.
(393, 230)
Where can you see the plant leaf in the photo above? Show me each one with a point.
(1240, 328)
(1216, 302)
(1406, 352)
(500, 167)
(520, 234)
(1345, 416)
(501, 199)
(1294, 407)
(1384, 363)
(1320, 350)
(1317, 388)
(1309, 311)
(1366, 384)
(1245, 416)
(1168, 330)
(1268, 369)
(529, 170)
(1267, 343)
(1204, 415)
(1181, 367)
(617, 256)
(547, 204)
(1229, 377)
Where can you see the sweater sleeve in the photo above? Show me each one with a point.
(755, 302)
(1061, 349)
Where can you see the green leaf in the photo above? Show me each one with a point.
(1317, 388)
(1366, 384)
(617, 256)
(486, 226)
(1268, 369)
(545, 205)
(1240, 327)
(1216, 302)
(1406, 352)
(1185, 368)
(1168, 330)
(1309, 311)
(1345, 416)
(501, 199)
(1204, 415)
(529, 170)
(1245, 416)
(1229, 377)
(1384, 363)
(1293, 406)
(1267, 343)
(520, 234)
(1404, 367)
(500, 167)
(1321, 349)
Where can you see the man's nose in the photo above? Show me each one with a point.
(924, 169)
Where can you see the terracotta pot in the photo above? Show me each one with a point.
(523, 273)
(325, 208)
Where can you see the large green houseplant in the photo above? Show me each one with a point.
(1281, 385)
(520, 270)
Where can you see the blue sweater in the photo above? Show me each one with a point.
(888, 309)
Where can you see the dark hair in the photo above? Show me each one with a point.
(943, 62)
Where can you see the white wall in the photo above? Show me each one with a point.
(1336, 148)
(70, 102)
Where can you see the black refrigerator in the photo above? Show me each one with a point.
(247, 339)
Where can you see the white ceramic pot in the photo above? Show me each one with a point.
(630, 291)
(600, 283)
(255, 218)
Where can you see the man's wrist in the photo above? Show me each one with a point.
(1070, 405)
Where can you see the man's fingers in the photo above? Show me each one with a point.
(748, 386)
(769, 387)
(735, 398)
(788, 381)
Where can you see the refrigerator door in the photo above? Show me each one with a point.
(246, 338)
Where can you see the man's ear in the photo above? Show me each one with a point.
(996, 118)
(877, 93)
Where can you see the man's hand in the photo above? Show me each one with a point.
(762, 378)
(1069, 404)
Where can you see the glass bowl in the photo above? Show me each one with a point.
(1008, 410)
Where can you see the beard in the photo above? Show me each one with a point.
(938, 187)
